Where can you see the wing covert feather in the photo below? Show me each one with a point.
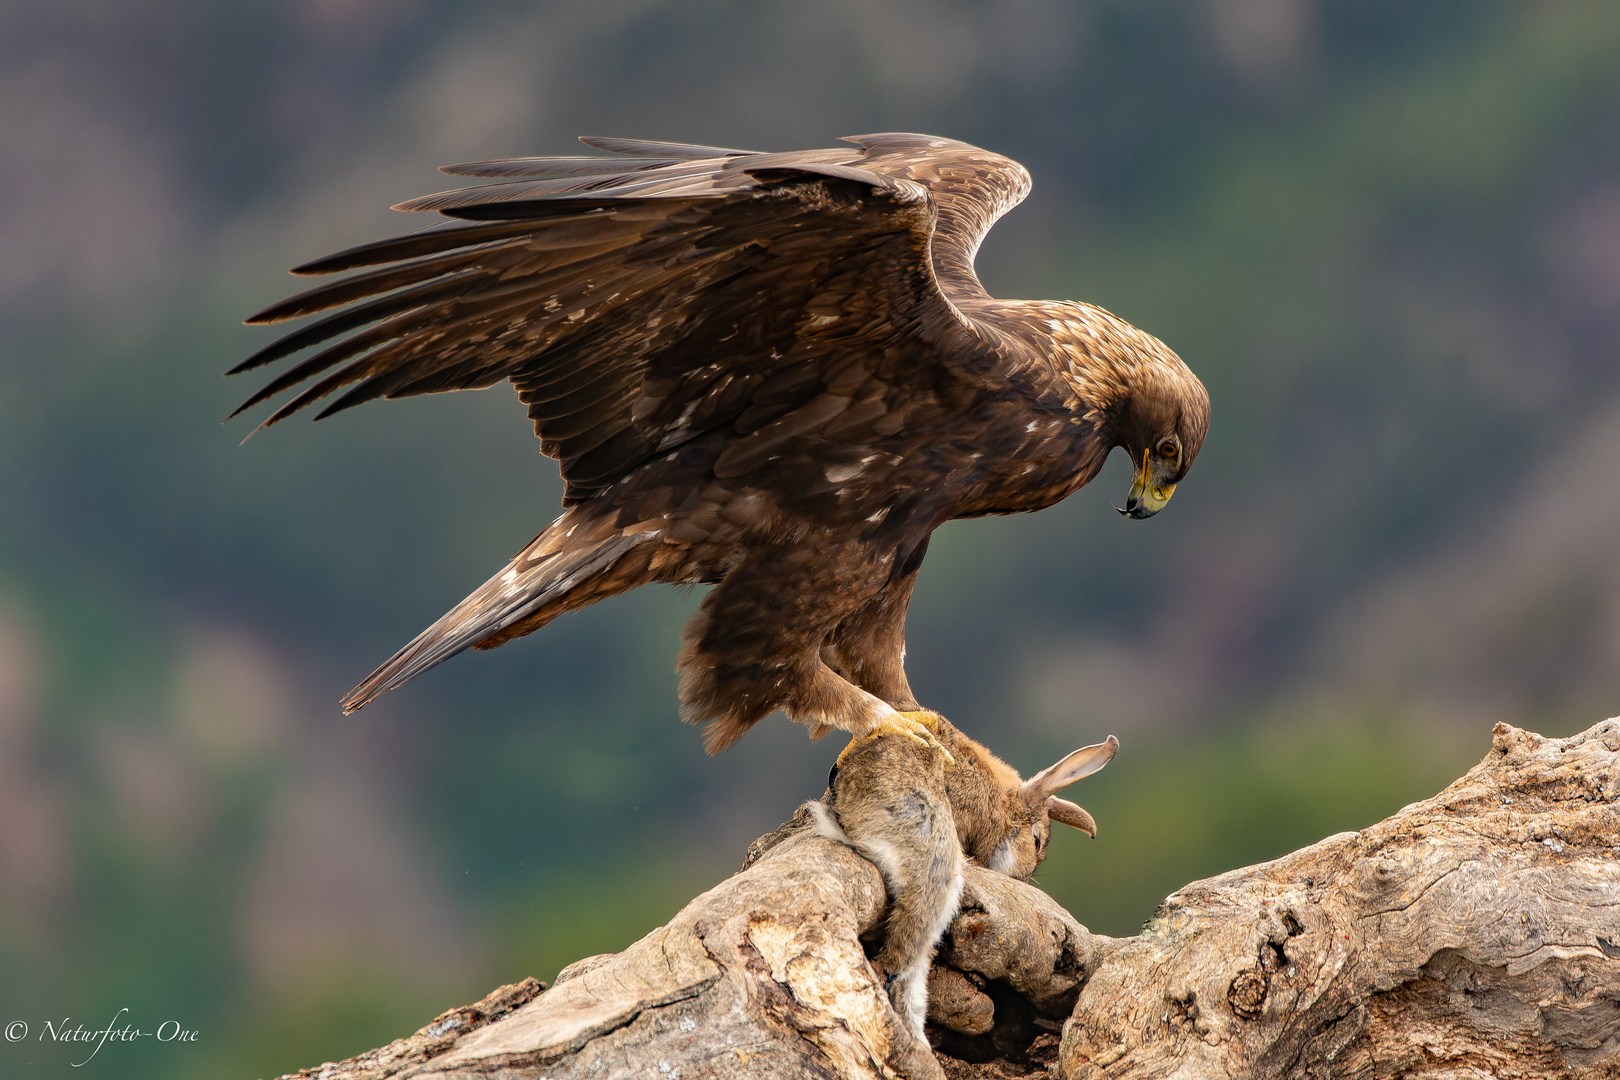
(637, 304)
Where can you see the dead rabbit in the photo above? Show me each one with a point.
(916, 808)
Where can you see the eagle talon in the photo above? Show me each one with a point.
(920, 727)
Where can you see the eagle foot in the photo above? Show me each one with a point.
(921, 726)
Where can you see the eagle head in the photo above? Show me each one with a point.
(1161, 423)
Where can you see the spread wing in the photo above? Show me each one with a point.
(640, 300)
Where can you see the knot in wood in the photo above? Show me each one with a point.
(1247, 994)
(957, 1001)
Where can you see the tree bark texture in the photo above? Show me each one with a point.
(1474, 934)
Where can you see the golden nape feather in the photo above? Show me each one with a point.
(771, 372)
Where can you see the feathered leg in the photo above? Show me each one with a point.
(869, 647)
(755, 644)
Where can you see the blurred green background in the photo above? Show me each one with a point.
(1386, 235)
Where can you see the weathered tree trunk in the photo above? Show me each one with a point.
(1475, 934)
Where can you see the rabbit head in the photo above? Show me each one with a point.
(1030, 807)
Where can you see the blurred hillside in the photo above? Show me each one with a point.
(1386, 235)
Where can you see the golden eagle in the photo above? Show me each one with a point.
(772, 373)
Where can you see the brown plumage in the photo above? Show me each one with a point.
(776, 373)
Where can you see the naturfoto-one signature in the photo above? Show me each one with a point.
(69, 1032)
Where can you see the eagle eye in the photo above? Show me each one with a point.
(1168, 448)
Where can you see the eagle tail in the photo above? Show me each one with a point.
(544, 580)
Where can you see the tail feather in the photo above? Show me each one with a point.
(543, 573)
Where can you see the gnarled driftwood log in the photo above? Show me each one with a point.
(1474, 934)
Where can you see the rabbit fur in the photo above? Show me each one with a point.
(918, 810)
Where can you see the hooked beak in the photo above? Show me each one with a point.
(1144, 499)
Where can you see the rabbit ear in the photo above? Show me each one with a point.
(1077, 766)
(1067, 812)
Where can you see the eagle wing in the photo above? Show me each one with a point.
(638, 301)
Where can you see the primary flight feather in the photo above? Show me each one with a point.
(773, 373)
